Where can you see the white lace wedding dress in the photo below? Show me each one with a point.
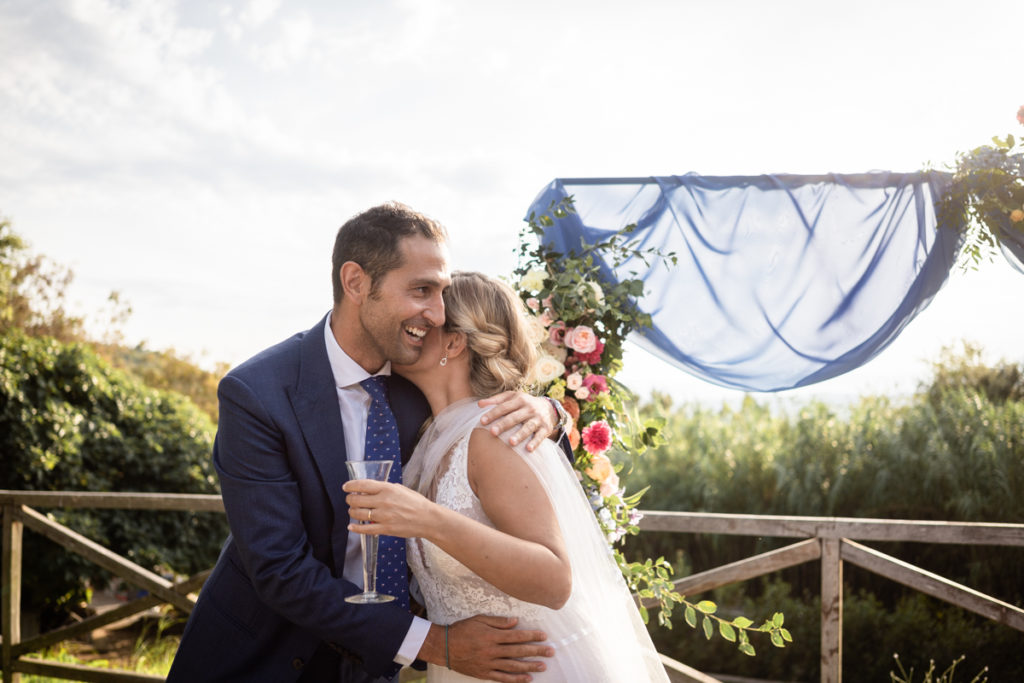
(598, 635)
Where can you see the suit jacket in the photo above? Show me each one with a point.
(276, 594)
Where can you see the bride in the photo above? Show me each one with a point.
(496, 529)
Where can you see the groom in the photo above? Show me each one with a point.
(273, 609)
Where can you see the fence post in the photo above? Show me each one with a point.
(12, 535)
(831, 611)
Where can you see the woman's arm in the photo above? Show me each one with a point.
(523, 556)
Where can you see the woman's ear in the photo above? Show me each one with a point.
(454, 344)
(354, 282)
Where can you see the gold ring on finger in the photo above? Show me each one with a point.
(369, 515)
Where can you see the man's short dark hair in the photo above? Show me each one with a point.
(371, 239)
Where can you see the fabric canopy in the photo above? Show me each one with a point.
(782, 280)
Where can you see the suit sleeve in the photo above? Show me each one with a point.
(263, 498)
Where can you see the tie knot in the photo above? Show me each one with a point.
(376, 387)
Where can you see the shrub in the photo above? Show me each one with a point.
(68, 421)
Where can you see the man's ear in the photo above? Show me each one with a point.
(355, 282)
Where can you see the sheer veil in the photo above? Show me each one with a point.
(598, 634)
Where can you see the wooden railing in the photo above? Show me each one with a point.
(830, 540)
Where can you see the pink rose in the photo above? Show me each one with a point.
(582, 393)
(610, 485)
(1020, 115)
(581, 339)
(596, 384)
(533, 304)
(574, 381)
(545, 318)
(556, 333)
(597, 437)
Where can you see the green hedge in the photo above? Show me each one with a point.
(953, 452)
(68, 421)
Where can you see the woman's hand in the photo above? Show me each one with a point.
(533, 415)
(391, 509)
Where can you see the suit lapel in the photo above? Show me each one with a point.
(315, 401)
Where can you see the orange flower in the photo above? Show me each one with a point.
(571, 407)
(600, 468)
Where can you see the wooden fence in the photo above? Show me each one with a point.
(830, 540)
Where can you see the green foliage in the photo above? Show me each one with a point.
(947, 676)
(955, 451)
(33, 299)
(581, 322)
(33, 291)
(918, 627)
(69, 421)
(986, 198)
(170, 371)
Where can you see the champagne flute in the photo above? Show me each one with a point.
(378, 471)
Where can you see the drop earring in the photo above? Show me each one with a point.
(444, 360)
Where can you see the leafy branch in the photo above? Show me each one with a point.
(581, 319)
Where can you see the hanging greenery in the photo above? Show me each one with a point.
(987, 197)
(580, 323)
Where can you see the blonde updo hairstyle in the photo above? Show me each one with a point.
(491, 317)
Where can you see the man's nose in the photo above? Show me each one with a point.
(435, 311)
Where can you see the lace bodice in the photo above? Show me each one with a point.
(451, 591)
(597, 636)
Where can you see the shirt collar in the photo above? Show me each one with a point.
(345, 370)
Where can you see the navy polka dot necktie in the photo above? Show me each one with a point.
(382, 444)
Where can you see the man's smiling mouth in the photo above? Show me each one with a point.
(417, 333)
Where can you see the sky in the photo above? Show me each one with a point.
(199, 156)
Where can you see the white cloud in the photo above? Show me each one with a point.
(220, 146)
(288, 48)
(258, 12)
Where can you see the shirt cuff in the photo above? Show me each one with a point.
(413, 641)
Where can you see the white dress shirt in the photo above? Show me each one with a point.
(355, 405)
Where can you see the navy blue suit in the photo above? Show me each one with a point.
(273, 609)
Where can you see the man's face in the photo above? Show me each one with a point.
(407, 302)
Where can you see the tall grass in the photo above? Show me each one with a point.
(954, 451)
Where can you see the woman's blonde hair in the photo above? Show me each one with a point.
(491, 317)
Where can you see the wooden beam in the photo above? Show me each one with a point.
(194, 502)
(92, 623)
(11, 601)
(933, 585)
(959, 533)
(111, 561)
(680, 673)
(79, 672)
(742, 570)
(831, 611)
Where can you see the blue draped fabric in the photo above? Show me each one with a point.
(782, 280)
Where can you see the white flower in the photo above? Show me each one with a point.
(574, 381)
(558, 352)
(535, 328)
(547, 369)
(533, 281)
(598, 291)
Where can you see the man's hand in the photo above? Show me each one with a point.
(533, 415)
(490, 648)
